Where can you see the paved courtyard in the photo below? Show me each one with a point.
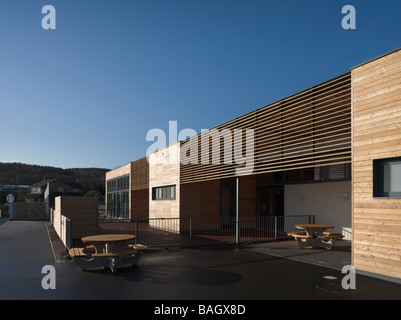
(336, 258)
(198, 274)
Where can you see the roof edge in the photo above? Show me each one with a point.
(373, 59)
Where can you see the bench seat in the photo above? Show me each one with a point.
(299, 234)
(80, 252)
(114, 255)
(326, 240)
(331, 236)
(87, 258)
(77, 252)
(138, 247)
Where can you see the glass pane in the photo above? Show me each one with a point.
(392, 177)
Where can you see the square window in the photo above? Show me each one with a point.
(163, 193)
(387, 178)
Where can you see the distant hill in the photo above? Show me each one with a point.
(27, 174)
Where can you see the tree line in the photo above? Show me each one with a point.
(26, 174)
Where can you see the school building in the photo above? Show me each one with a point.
(333, 151)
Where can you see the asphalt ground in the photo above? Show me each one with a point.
(217, 274)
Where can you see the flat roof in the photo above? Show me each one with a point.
(381, 56)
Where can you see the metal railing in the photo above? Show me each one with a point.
(69, 240)
(185, 232)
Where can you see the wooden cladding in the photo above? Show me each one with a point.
(308, 129)
(140, 174)
(376, 238)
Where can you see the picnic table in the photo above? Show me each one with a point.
(109, 243)
(315, 236)
(107, 250)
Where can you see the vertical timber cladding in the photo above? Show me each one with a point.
(309, 129)
(376, 135)
(139, 201)
(202, 200)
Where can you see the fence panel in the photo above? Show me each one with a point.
(69, 243)
(28, 211)
(185, 232)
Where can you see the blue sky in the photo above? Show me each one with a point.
(87, 93)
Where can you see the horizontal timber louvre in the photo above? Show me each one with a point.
(309, 129)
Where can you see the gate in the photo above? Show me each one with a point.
(28, 211)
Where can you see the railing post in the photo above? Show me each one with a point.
(275, 227)
(237, 225)
(190, 231)
(68, 233)
(136, 231)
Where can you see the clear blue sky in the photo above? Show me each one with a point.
(87, 93)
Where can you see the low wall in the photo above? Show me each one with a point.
(82, 211)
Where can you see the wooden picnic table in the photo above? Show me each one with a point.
(107, 250)
(108, 238)
(314, 230)
(314, 226)
(315, 235)
(109, 243)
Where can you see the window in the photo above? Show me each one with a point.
(387, 178)
(337, 172)
(163, 193)
(118, 197)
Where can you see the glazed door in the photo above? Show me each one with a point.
(270, 205)
(271, 202)
(227, 210)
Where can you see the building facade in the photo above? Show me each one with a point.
(333, 151)
(127, 189)
(376, 165)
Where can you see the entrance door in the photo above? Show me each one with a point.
(271, 202)
(227, 203)
(270, 205)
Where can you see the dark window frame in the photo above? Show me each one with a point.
(164, 192)
(118, 197)
(378, 178)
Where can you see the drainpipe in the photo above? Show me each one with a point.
(237, 226)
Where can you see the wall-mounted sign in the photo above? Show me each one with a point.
(10, 198)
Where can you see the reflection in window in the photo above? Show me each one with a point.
(163, 193)
(387, 178)
(118, 197)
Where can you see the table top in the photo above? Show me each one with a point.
(108, 238)
(314, 226)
